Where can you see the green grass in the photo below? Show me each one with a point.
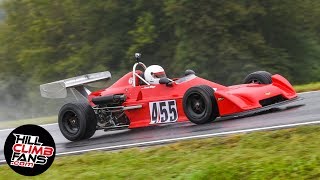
(16, 123)
(307, 87)
(280, 154)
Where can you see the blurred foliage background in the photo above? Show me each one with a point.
(42, 41)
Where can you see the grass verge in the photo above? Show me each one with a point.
(280, 154)
(307, 87)
(16, 123)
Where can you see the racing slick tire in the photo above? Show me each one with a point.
(77, 121)
(258, 77)
(200, 105)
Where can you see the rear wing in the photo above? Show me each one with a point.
(58, 89)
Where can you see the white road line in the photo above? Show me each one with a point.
(309, 92)
(43, 125)
(6, 129)
(188, 137)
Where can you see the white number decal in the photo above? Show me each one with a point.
(163, 111)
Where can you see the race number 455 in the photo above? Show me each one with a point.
(163, 111)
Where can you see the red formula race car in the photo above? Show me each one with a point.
(133, 101)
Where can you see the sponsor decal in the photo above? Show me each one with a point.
(29, 150)
(130, 80)
(220, 99)
(163, 111)
(149, 87)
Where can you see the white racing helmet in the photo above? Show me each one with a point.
(153, 74)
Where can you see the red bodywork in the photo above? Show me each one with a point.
(230, 100)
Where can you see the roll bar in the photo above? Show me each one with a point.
(134, 74)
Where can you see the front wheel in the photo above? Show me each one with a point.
(200, 105)
(77, 121)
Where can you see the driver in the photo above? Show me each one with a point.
(153, 74)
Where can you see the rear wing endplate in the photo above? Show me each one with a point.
(58, 89)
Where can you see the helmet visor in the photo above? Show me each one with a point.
(159, 74)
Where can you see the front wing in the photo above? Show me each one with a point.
(262, 109)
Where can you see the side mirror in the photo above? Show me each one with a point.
(188, 72)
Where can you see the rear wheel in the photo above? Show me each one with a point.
(200, 105)
(77, 121)
(258, 77)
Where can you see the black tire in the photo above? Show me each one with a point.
(200, 105)
(258, 77)
(77, 121)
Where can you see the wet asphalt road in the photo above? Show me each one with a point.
(306, 110)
